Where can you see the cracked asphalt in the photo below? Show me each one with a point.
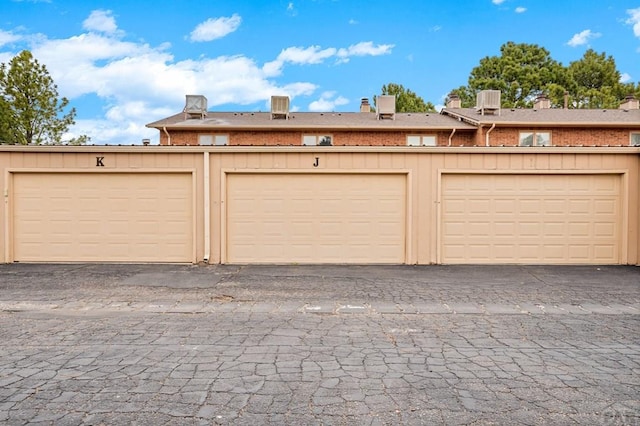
(319, 345)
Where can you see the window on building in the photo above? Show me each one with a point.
(322, 140)
(535, 138)
(421, 140)
(217, 140)
(635, 139)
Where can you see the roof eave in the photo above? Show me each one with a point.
(540, 124)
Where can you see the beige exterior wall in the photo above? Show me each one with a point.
(424, 167)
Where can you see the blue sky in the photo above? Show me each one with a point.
(126, 64)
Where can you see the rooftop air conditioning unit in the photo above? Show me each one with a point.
(195, 107)
(280, 107)
(386, 107)
(488, 101)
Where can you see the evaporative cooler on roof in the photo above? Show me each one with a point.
(195, 106)
(385, 107)
(488, 101)
(280, 107)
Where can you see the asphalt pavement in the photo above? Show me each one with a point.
(319, 345)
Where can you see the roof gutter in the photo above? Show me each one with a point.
(164, 128)
(486, 136)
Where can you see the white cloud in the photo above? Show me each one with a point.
(137, 83)
(309, 55)
(498, 2)
(291, 9)
(582, 38)
(634, 19)
(625, 78)
(365, 48)
(317, 55)
(7, 37)
(103, 131)
(520, 9)
(212, 29)
(353, 22)
(101, 21)
(327, 102)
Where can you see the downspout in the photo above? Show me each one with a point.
(453, 132)
(168, 135)
(486, 136)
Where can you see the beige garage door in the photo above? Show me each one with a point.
(102, 217)
(316, 218)
(546, 219)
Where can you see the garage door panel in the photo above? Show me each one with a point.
(103, 217)
(549, 218)
(315, 218)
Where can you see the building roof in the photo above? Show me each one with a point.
(549, 117)
(311, 120)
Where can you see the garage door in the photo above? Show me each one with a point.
(316, 218)
(546, 219)
(102, 217)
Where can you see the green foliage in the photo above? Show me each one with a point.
(522, 72)
(5, 120)
(406, 100)
(596, 82)
(32, 111)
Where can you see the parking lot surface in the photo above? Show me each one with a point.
(319, 345)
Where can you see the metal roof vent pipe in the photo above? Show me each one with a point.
(146, 142)
(542, 102)
(630, 102)
(364, 105)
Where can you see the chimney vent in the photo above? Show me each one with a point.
(364, 105)
(630, 102)
(454, 101)
(542, 102)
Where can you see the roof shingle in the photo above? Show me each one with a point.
(312, 120)
(550, 117)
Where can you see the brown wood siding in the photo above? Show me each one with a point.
(424, 167)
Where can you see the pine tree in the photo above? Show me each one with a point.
(32, 112)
